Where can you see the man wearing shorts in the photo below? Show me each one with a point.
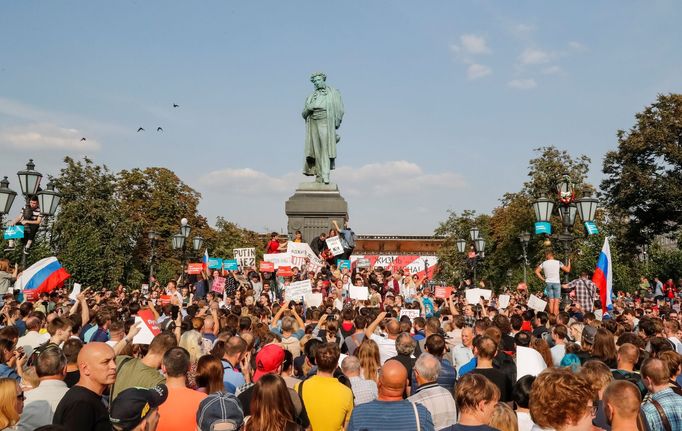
(549, 271)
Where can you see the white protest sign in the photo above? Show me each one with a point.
(300, 251)
(314, 299)
(148, 328)
(298, 290)
(412, 314)
(474, 295)
(503, 301)
(279, 259)
(334, 244)
(75, 292)
(358, 292)
(246, 257)
(536, 303)
(528, 362)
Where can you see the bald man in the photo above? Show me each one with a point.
(82, 408)
(390, 410)
(386, 344)
(621, 405)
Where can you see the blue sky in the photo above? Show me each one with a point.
(444, 100)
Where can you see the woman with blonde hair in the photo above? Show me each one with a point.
(7, 278)
(370, 360)
(504, 418)
(193, 343)
(11, 403)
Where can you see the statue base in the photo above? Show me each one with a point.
(313, 207)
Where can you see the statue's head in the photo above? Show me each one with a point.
(318, 79)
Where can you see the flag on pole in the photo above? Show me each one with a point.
(204, 260)
(43, 276)
(603, 276)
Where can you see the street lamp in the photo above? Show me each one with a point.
(184, 228)
(153, 238)
(178, 241)
(543, 207)
(29, 180)
(197, 242)
(587, 207)
(524, 238)
(7, 196)
(479, 245)
(49, 200)
(461, 245)
(473, 233)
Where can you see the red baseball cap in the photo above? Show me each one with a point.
(268, 360)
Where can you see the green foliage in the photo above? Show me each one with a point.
(643, 177)
(227, 236)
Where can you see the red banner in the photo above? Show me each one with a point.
(195, 268)
(285, 271)
(149, 320)
(267, 267)
(443, 292)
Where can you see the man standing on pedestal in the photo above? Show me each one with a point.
(323, 113)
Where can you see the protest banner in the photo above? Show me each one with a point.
(148, 327)
(195, 268)
(343, 264)
(473, 296)
(215, 263)
(13, 232)
(298, 290)
(528, 362)
(423, 266)
(358, 292)
(503, 301)
(246, 257)
(536, 303)
(412, 314)
(443, 292)
(218, 285)
(164, 299)
(334, 244)
(279, 259)
(76, 290)
(144, 289)
(363, 263)
(230, 265)
(285, 271)
(267, 267)
(300, 252)
(314, 299)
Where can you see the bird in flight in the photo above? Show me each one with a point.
(175, 105)
(83, 139)
(159, 129)
(140, 129)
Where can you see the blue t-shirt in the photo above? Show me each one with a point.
(469, 366)
(232, 379)
(394, 415)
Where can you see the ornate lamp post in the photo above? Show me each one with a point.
(479, 246)
(29, 180)
(179, 240)
(7, 196)
(524, 238)
(153, 238)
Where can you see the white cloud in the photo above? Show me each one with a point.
(471, 44)
(552, 70)
(534, 56)
(475, 71)
(373, 179)
(47, 137)
(523, 84)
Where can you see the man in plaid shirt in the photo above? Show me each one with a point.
(585, 292)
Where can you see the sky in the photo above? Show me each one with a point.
(444, 101)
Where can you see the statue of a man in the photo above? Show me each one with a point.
(323, 113)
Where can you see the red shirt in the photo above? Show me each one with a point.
(273, 247)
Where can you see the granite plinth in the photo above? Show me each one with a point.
(312, 208)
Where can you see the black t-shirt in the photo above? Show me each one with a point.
(500, 380)
(72, 377)
(508, 343)
(81, 409)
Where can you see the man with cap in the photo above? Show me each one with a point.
(269, 361)
(136, 409)
(219, 411)
(586, 342)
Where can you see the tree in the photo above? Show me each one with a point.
(642, 187)
(452, 265)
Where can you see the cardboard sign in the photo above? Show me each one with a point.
(195, 268)
(443, 292)
(164, 299)
(218, 285)
(543, 227)
(334, 244)
(300, 251)
(246, 257)
(343, 264)
(148, 327)
(215, 263)
(230, 265)
(14, 232)
(298, 290)
(363, 263)
(473, 296)
(528, 362)
(536, 303)
(503, 301)
(358, 292)
(279, 259)
(314, 299)
(412, 314)
(144, 289)
(591, 228)
(267, 267)
(285, 271)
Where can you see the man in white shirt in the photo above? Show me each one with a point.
(33, 338)
(40, 403)
(551, 268)
(463, 353)
(386, 344)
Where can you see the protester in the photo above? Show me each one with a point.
(137, 409)
(486, 348)
(663, 409)
(271, 407)
(561, 400)
(621, 401)
(209, 376)
(521, 398)
(178, 412)
(364, 390)
(390, 410)
(11, 403)
(503, 418)
(437, 400)
(549, 272)
(476, 398)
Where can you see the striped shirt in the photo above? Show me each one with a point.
(439, 402)
(364, 391)
(389, 415)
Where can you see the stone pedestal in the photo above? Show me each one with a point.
(313, 207)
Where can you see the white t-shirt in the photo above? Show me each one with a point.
(386, 347)
(552, 270)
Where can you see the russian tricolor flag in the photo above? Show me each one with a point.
(204, 260)
(603, 276)
(43, 276)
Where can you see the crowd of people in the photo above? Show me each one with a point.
(186, 356)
